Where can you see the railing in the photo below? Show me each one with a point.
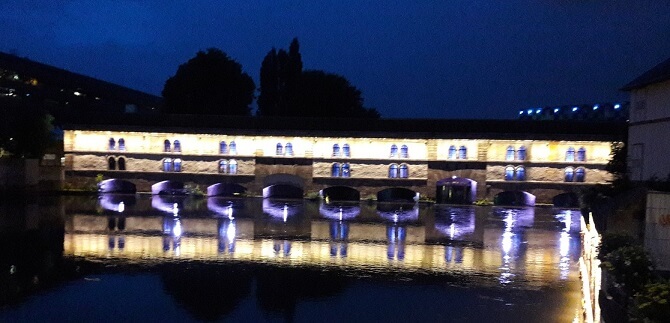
(590, 272)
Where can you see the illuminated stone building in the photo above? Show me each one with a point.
(453, 161)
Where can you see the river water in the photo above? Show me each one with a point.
(141, 258)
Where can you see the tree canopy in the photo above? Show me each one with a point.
(286, 90)
(210, 83)
(25, 128)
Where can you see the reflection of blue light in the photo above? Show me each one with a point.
(399, 215)
(339, 212)
(281, 209)
(176, 231)
(122, 207)
(230, 233)
(455, 222)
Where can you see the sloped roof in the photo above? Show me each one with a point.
(657, 74)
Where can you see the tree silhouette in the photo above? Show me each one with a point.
(209, 83)
(280, 73)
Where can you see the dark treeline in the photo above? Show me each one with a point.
(212, 83)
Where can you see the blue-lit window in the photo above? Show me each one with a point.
(570, 154)
(112, 144)
(520, 173)
(346, 150)
(580, 174)
(166, 146)
(232, 166)
(346, 170)
(111, 163)
(280, 149)
(521, 153)
(569, 174)
(404, 151)
(177, 146)
(167, 165)
(223, 166)
(335, 170)
(289, 149)
(177, 165)
(232, 149)
(581, 154)
(122, 163)
(122, 144)
(336, 150)
(452, 152)
(404, 171)
(223, 148)
(509, 173)
(393, 171)
(510, 153)
(394, 151)
(462, 153)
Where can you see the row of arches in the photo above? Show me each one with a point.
(571, 174)
(520, 154)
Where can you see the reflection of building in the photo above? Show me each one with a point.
(469, 160)
(649, 128)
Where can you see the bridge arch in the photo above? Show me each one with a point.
(456, 190)
(283, 186)
(397, 194)
(566, 200)
(168, 188)
(226, 189)
(340, 193)
(114, 185)
(514, 198)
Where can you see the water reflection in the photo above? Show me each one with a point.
(168, 204)
(116, 202)
(282, 210)
(339, 211)
(339, 236)
(225, 207)
(398, 212)
(227, 234)
(456, 223)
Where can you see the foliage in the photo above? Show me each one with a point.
(194, 190)
(611, 241)
(653, 302)
(211, 83)
(280, 73)
(630, 266)
(313, 196)
(483, 202)
(617, 165)
(25, 128)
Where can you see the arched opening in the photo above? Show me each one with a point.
(510, 153)
(346, 170)
(289, 149)
(223, 148)
(232, 149)
(404, 151)
(581, 154)
(177, 146)
(566, 200)
(452, 152)
(521, 153)
(514, 198)
(346, 150)
(223, 166)
(509, 173)
(168, 188)
(393, 171)
(122, 144)
(403, 171)
(397, 194)
(456, 190)
(570, 154)
(462, 153)
(340, 193)
(579, 174)
(111, 163)
(335, 170)
(122, 161)
(520, 173)
(394, 151)
(280, 149)
(569, 174)
(166, 146)
(226, 189)
(232, 167)
(336, 150)
(176, 165)
(112, 144)
(114, 185)
(167, 164)
(283, 191)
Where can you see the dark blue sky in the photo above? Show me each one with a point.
(424, 59)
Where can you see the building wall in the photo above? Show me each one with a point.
(648, 132)
(87, 153)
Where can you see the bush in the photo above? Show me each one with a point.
(313, 196)
(653, 302)
(630, 267)
(483, 202)
(614, 241)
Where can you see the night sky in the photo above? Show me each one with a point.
(417, 59)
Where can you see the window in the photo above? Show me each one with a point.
(289, 149)
(223, 166)
(509, 173)
(581, 154)
(346, 150)
(462, 153)
(570, 154)
(335, 170)
(122, 144)
(122, 161)
(111, 163)
(404, 151)
(223, 148)
(280, 149)
(404, 171)
(336, 150)
(520, 173)
(452, 152)
(510, 153)
(521, 153)
(394, 151)
(166, 146)
(569, 174)
(232, 149)
(112, 144)
(579, 174)
(177, 146)
(346, 170)
(393, 171)
(232, 166)
(176, 164)
(167, 165)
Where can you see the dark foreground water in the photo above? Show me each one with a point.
(138, 258)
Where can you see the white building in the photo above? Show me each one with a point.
(649, 130)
